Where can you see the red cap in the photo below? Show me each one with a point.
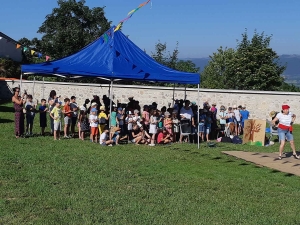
(285, 107)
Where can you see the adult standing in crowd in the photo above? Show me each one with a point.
(19, 115)
(74, 109)
(244, 114)
(286, 120)
(187, 118)
(52, 101)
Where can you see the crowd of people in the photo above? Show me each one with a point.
(128, 122)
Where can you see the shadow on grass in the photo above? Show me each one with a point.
(6, 109)
(243, 164)
(217, 158)
(275, 171)
(289, 175)
(6, 121)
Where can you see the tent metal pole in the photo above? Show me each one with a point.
(43, 87)
(33, 87)
(174, 94)
(21, 82)
(184, 93)
(110, 101)
(198, 118)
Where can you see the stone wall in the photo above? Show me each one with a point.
(259, 103)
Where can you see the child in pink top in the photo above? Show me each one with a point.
(145, 116)
(168, 123)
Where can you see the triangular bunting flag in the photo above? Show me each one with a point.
(18, 45)
(47, 58)
(118, 53)
(32, 52)
(141, 71)
(133, 66)
(25, 49)
(40, 55)
(118, 27)
(105, 37)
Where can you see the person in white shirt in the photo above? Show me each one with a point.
(237, 120)
(187, 116)
(286, 120)
(93, 119)
(104, 138)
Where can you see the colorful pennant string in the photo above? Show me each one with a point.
(18, 46)
(129, 15)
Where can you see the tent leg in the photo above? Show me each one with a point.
(184, 93)
(174, 94)
(110, 101)
(33, 87)
(21, 82)
(43, 87)
(198, 118)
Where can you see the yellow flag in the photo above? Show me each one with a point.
(132, 11)
(32, 52)
(118, 27)
(18, 46)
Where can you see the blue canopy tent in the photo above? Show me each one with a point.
(113, 56)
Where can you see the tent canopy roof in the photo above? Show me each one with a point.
(113, 56)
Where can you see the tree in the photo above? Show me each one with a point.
(164, 57)
(9, 68)
(218, 73)
(70, 27)
(253, 65)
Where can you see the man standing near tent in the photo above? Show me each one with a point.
(74, 109)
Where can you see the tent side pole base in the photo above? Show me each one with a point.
(198, 117)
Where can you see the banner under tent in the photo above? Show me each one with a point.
(112, 57)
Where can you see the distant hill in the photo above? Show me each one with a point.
(291, 74)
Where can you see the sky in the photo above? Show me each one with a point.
(200, 27)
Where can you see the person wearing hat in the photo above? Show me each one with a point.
(286, 120)
(93, 119)
(102, 119)
(56, 114)
(136, 118)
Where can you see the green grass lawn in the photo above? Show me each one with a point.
(74, 182)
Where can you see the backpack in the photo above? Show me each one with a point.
(226, 140)
(237, 140)
(102, 120)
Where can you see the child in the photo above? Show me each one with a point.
(43, 116)
(103, 138)
(146, 117)
(83, 122)
(207, 124)
(164, 137)
(160, 119)
(93, 119)
(30, 113)
(120, 119)
(128, 121)
(55, 114)
(202, 118)
(168, 122)
(153, 126)
(67, 119)
(102, 119)
(136, 118)
(175, 122)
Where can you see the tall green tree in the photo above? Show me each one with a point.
(253, 65)
(70, 27)
(218, 74)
